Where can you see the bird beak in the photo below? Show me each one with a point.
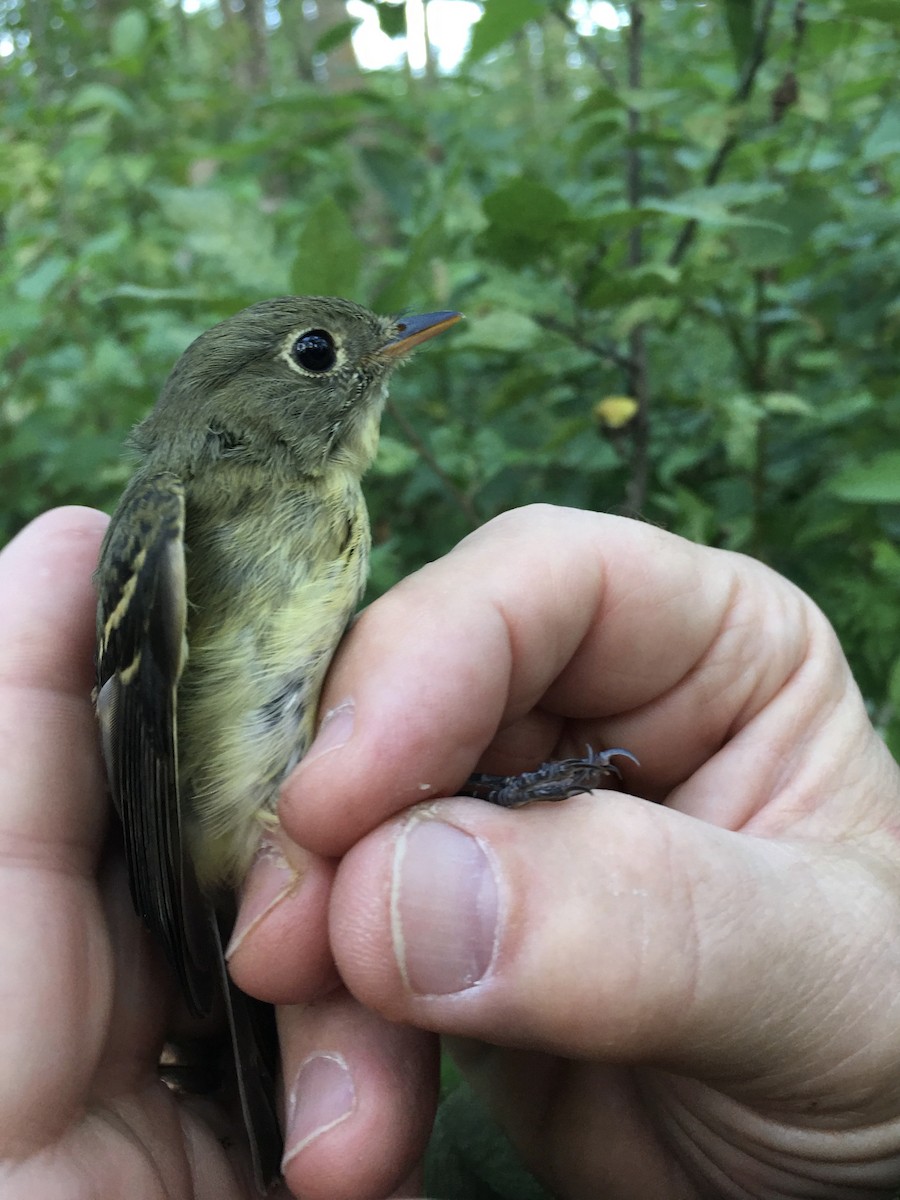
(412, 330)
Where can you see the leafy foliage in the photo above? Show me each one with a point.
(694, 211)
(470, 1159)
(700, 217)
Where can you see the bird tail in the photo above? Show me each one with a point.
(254, 1040)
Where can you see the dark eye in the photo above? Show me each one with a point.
(314, 351)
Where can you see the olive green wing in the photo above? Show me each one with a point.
(141, 653)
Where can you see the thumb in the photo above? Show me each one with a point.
(611, 929)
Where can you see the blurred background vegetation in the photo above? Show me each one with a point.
(672, 225)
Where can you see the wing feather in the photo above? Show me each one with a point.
(141, 652)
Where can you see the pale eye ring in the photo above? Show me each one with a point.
(314, 351)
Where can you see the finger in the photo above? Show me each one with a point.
(360, 1099)
(279, 949)
(558, 619)
(615, 930)
(46, 675)
(53, 951)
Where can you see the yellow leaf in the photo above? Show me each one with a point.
(615, 411)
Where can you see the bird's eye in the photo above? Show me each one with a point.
(314, 351)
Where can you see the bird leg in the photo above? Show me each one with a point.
(552, 781)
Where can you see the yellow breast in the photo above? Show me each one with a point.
(270, 594)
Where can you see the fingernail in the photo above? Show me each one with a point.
(270, 879)
(323, 1095)
(444, 908)
(335, 730)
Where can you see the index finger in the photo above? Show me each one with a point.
(545, 626)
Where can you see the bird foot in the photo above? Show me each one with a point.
(552, 781)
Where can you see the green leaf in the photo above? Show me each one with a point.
(525, 218)
(787, 404)
(500, 20)
(877, 10)
(878, 482)
(743, 415)
(112, 363)
(227, 231)
(693, 517)
(645, 100)
(601, 100)
(647, 308)
(884, 140)
(414, 276)
(128, 35)
(799, 212)
(762, 249)
(139, 291)
(817, 360)
(330, 254)
(739, 22)
(38, 283)
(617, 287)
(392, 19)
(501, 330)
(696, 206)
(469, 1157)
(816, 106)
(100, 96)
(336, 36)
(886, 561)
(394, 458)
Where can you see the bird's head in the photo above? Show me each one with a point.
(297, 382)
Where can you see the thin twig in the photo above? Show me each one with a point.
(759, 382)
(585, 45)
(638, 381)
(573, 334)
(742, 92)
(732, 323)
(463, 501)
(758, 379)
(757, 54)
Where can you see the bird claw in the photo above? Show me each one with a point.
(552, 781)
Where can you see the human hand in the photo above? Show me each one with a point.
(694, 998)
(86, 1002)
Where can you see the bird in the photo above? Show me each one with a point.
(233, 563)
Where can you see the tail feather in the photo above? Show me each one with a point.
(254, 1040)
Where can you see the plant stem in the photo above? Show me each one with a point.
(638, 380)
(742, 92)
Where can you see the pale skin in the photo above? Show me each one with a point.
(696, 999)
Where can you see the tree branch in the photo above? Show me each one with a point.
(638, 382)
(585, 45)
(574, 334)
(741, 93)
(732, 322)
